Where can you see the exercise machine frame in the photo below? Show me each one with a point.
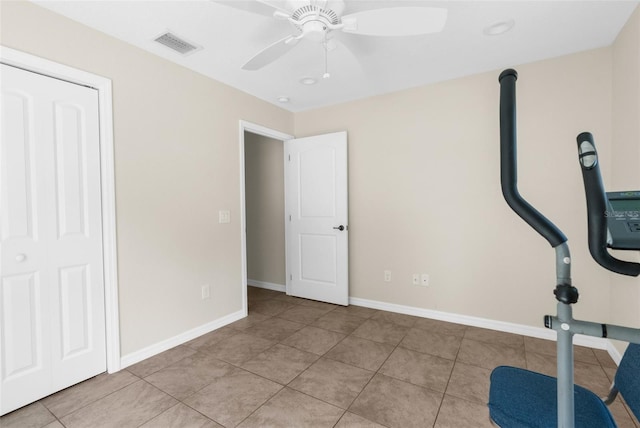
(566, 294)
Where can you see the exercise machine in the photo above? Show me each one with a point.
(521, 398)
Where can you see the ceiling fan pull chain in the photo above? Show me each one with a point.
(326, 74)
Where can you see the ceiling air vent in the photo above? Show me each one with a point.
(177, 44)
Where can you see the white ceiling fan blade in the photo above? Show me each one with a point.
(351, 50)
(358, 46)
(281, 15)
(259, 7)
(278, 5)
(396, 21)
(270, 53)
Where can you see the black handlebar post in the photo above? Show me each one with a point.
(597, 209)
(509, 164)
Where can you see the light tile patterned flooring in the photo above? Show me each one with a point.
(300, 363)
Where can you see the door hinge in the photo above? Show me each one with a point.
(290, 277)
(289, 158)
(289, 217)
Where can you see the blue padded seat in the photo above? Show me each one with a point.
(521, 398)
(627, 379)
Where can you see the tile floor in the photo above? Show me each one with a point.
(299, 363)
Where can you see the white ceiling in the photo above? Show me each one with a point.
(360, 66)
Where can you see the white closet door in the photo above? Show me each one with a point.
(52, 288)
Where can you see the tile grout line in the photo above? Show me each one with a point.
(324, 356)
(261, 405)
(92, 402)
(386, 359)
(261, 376)
(195, 410)
(377, 370)
(455, 360)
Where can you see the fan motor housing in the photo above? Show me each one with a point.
(332, 8)
(314, 19)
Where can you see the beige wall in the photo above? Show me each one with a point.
(425, 194)
(423, 177)
(264, 172)
(176, 164)
(625, 291)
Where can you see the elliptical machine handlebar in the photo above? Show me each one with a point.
(509, 164)
(566, 295)
(597, 209)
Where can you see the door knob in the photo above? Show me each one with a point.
(21, 257)
(340, 228)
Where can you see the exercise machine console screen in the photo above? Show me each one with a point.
(623, 220)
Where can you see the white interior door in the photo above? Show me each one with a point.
(52, 289)
(316, 208)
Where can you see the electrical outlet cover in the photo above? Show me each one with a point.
(224, 216)
(425, 279)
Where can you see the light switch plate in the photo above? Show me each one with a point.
(205, 291)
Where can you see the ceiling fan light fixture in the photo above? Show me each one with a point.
(308, 81)
(314, 30)
(499, 28)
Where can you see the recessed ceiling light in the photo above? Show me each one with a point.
(308, 81)
(499, 28)
(283, 99)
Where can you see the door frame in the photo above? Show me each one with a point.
(254, 128)
(56, 70)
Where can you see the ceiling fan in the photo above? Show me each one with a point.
(315, 20)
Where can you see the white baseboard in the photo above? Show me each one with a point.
(150, 351)
(614, 353)
(525, 330)
(267, 285)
